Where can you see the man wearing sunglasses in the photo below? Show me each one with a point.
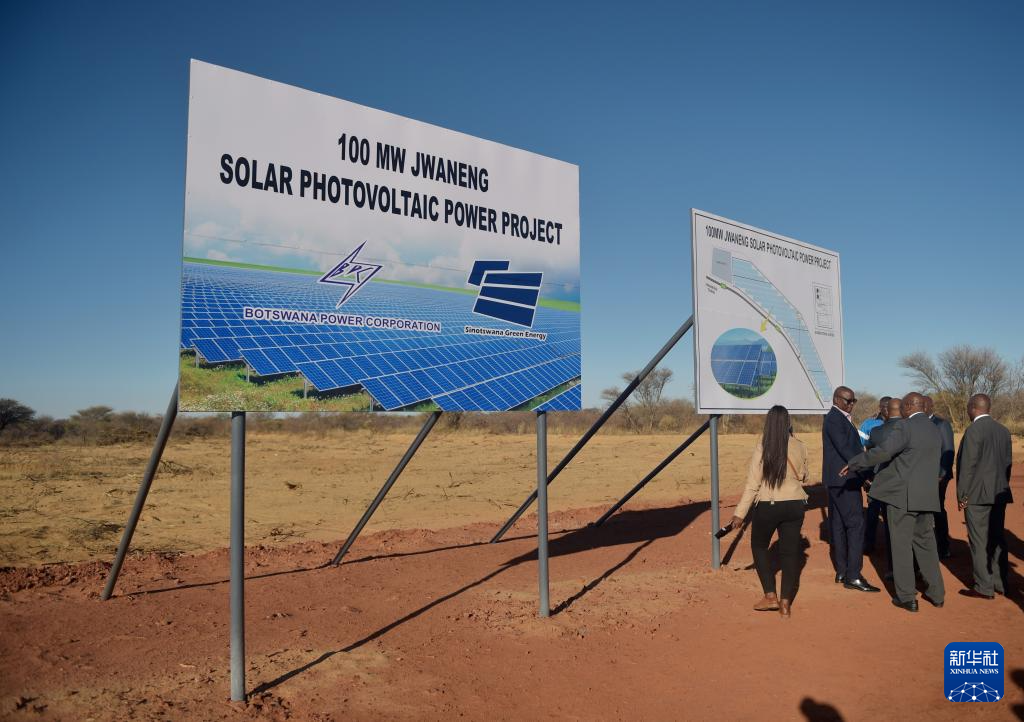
(840, 442)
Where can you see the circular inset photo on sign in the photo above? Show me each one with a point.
(743, 363)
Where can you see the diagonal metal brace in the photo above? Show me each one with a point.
(140, 497)
(598, 424)
(413, 448)
(657, 470)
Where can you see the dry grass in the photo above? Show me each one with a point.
(68, 502)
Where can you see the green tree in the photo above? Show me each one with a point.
(93, 414)
(13, 413)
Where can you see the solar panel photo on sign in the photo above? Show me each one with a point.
(568, 400)
(743, 363)
(398, 369)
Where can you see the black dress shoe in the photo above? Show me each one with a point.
(937, 605)
(975, 594)
(840, 579)
(860, 585)
(910, 606)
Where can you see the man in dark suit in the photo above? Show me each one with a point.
(840, 443)
(875, 434)
(909, 486)
(945, 475)
(983, 466)
(876, 508)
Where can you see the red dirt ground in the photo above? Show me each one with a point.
(436, 625)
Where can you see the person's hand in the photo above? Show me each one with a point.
(736, 523)
(961, 505)
(845, 470)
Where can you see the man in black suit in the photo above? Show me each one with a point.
(909, 486)
(841, 442)
(875, 434)
(876, 508)
(945, 475)
(983, 466)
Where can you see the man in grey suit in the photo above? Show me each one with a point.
(945, 475)
(983, 467)
(909, 486)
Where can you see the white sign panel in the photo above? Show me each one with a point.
(338, 257)
(768, 319)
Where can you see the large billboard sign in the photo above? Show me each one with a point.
(768, 318)
(338, 257)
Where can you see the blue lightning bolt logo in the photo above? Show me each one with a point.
(350, 273)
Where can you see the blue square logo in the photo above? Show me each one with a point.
(974, 672)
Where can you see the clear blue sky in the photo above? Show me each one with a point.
(891, 132)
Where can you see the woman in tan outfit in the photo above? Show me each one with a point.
(778, 470)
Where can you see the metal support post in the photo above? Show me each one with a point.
(238, 556)
(657, 470)
(542, 512)
(427, 426)
(630, 388)
(716, 555)
(140, 497)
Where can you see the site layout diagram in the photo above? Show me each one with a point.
(768, 320)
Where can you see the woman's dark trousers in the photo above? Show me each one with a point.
(787, 517)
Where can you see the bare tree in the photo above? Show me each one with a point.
(1017, 378)
(643, 409)
(13, 413)
(1012, 403)
(609, 395)
(958, 373)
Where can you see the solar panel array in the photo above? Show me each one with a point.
(742, 364)
(397, 368)
(569, 400)
(736, 352)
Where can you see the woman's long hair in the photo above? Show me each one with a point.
(775, 446)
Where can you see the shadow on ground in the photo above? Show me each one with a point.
(1017, 676)
(959, 564)
(819, 711)
(642, 527)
